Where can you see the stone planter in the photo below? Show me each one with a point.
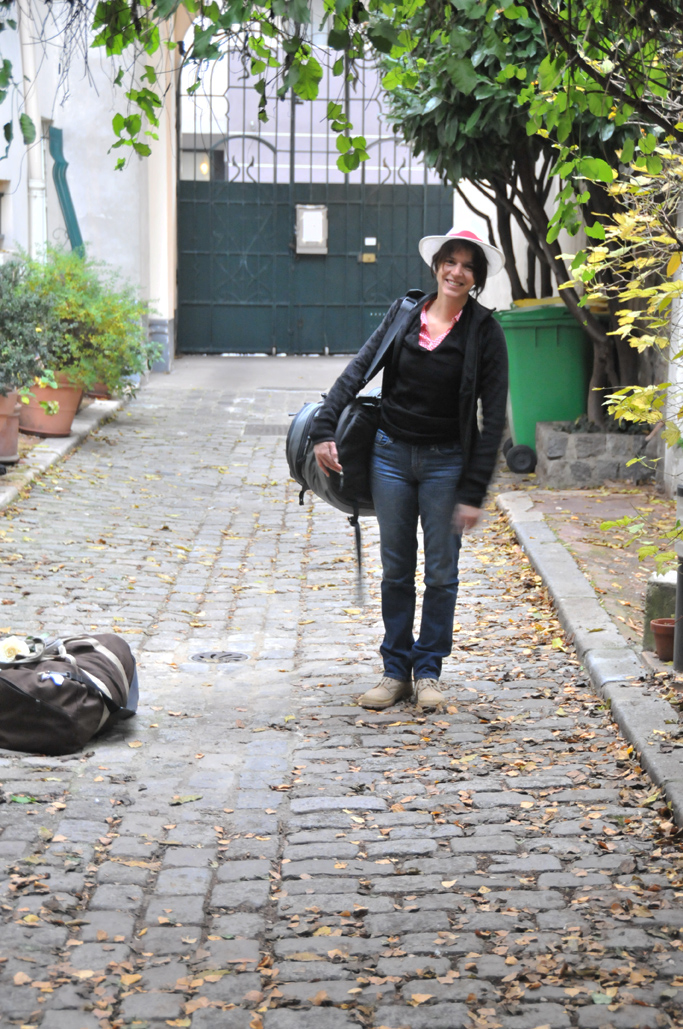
(567, 459)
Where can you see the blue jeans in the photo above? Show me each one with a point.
(410, 482)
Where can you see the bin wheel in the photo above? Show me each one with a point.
(506, 446)
(521, 459)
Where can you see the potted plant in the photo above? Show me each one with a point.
(103, 341)
(27, 330)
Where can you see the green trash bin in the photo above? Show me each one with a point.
(550, 365)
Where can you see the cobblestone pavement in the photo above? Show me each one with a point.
(254, 851)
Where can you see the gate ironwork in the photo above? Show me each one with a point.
(242, 285)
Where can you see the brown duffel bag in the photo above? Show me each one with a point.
(57, 697)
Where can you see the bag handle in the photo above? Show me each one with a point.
(40, 651)
(408, 305)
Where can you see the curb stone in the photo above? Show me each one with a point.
(613, 666)
(52, 450)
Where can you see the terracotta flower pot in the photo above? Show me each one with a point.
(8, 403)
(663, 631)
(99, 391)
(9, 438)
(35, 420)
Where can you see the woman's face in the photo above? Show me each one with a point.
(455, 276)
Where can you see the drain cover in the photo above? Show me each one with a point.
(219, 657)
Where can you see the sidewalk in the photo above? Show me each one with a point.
(256, 852)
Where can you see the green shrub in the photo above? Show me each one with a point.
(103, 335)
(29, 330)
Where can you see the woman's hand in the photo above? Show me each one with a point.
(327, 457)
(465, 518)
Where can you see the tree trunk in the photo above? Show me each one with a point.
(505, 237)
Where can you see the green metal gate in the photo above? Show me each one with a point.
(244, 286)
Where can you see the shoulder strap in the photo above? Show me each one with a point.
(408, 305)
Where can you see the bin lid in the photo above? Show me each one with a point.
(542, 315)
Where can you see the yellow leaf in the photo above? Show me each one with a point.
(324, 930)
(128, 980)
(450, 882)
(135, 743)
(320, 996)
(527, 803)
(20, 979)
(85, 973)
(184, 1022)
(674, 263)
(340, 864)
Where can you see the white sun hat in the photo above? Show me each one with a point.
(429, 245)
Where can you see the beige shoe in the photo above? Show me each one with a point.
(385, 693)
(427, 697)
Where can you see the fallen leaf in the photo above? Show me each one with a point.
(135, 743)
(187, 798)
(320, 996)
(256, 1022)
(253, 997)
(450, 882)
(324, 930)
(20, 979)
(128, 980)
(195, 1004)
(85, 973)
(419, 998)
(184, 1022)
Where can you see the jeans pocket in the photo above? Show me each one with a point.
(447, 449)
(381, 438)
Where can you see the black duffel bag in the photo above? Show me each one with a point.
(60, 695)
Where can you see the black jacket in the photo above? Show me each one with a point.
(484, 377)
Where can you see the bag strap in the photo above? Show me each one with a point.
(105, 652)
(408, 305)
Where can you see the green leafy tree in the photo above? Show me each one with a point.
(454, 98)
(614, 58)
(625, 51)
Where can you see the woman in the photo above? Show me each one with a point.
(429, 459)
